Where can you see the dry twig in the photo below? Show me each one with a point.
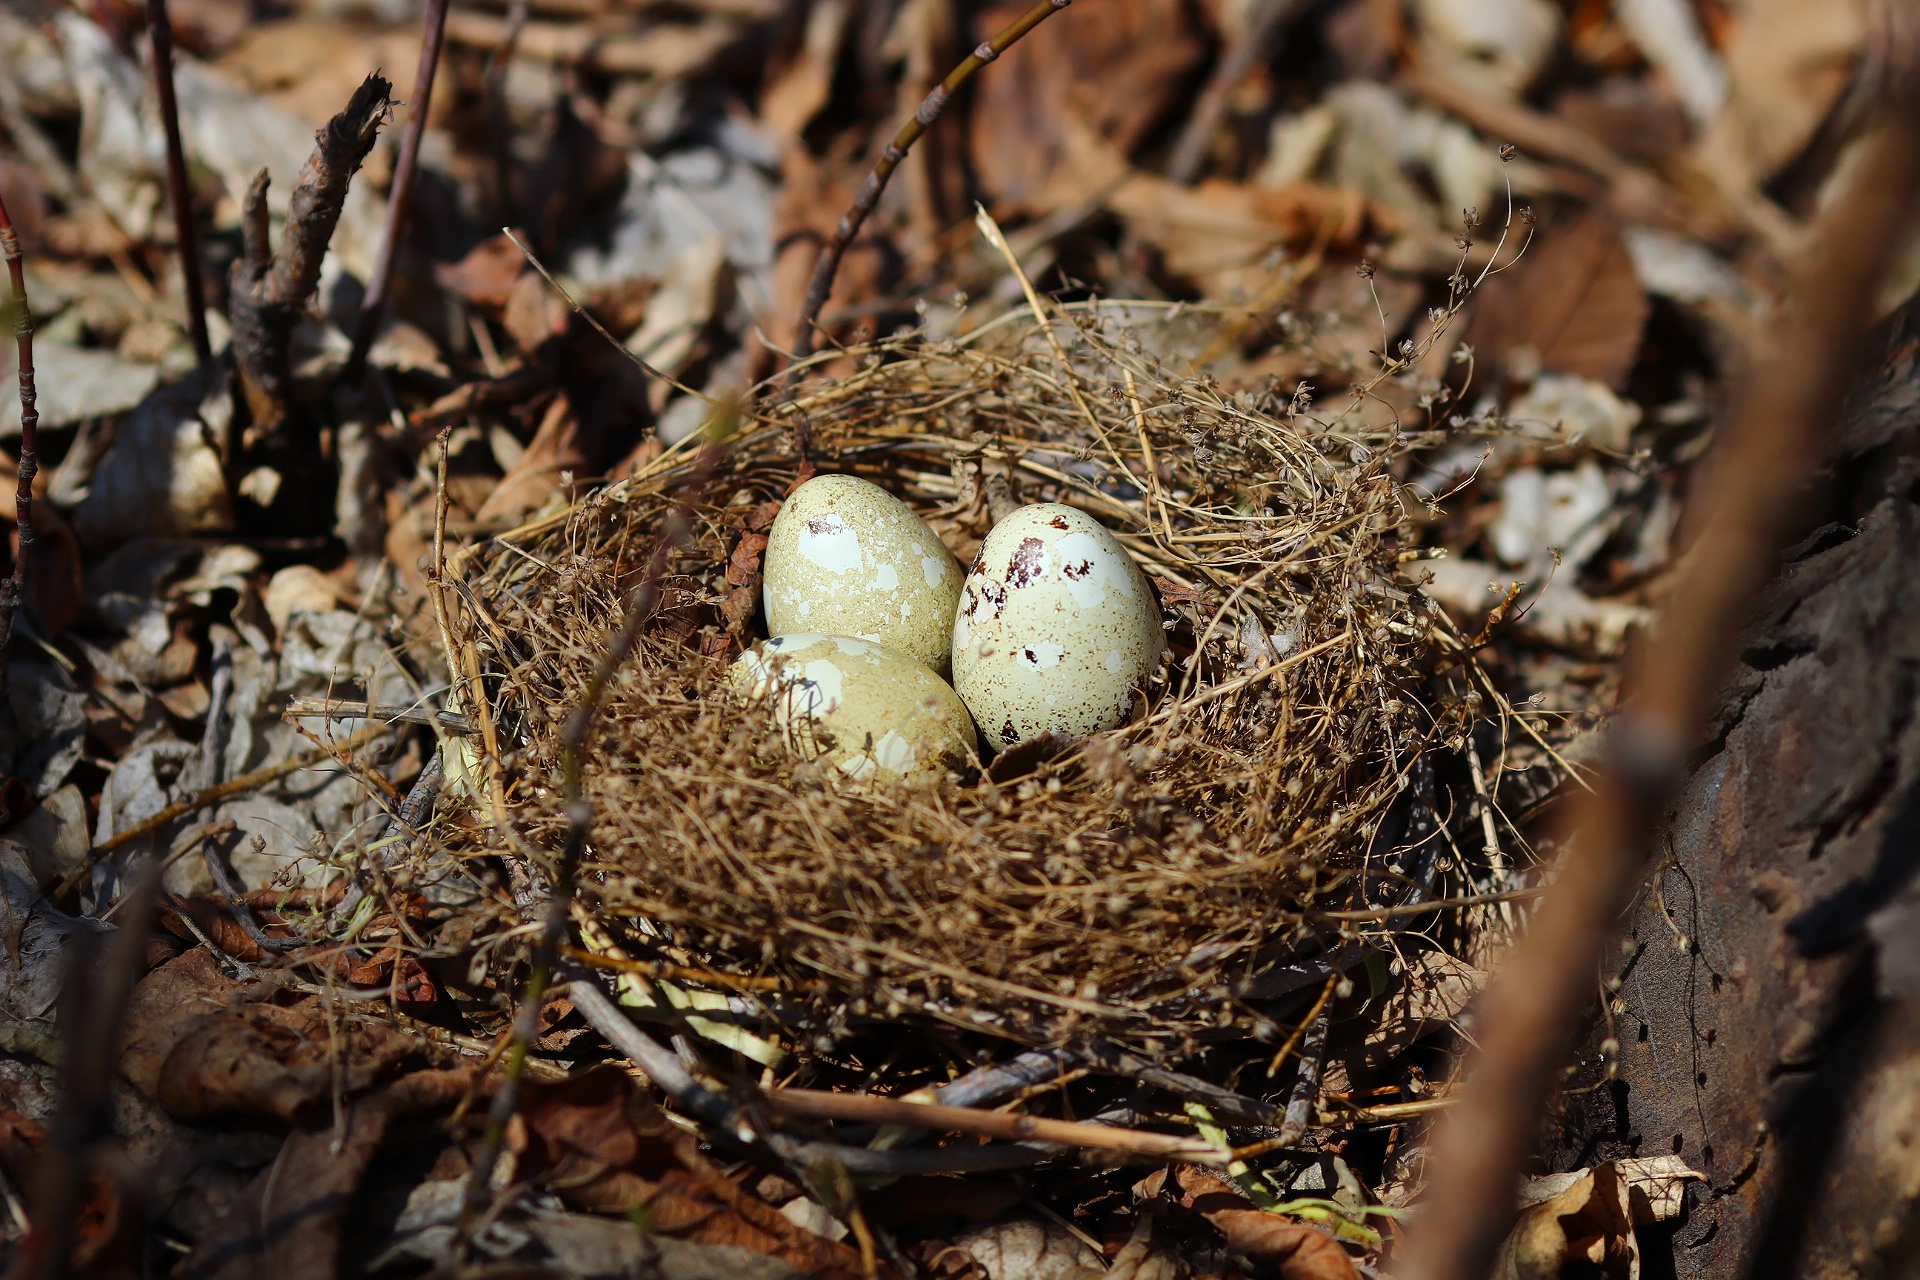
(179, 189)
(13, 591)
(997, 1124)
(269, 287)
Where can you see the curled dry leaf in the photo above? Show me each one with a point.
(1588, 1225)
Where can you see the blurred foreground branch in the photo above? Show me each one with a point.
(1754, 487)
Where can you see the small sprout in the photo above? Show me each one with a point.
(1527, 216)
(1365, 269)
(1508, 151)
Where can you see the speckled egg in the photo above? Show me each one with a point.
(1055, 630)
(847, 558)
(872, 713)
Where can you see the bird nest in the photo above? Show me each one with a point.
(1133, 886)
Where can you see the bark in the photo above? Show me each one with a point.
(1766, 1032)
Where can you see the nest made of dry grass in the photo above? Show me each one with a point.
(1119, 889)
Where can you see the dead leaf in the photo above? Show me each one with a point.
(1029, 1249)
(1589, 1224)
(1222, 235)
(1299, 1251)
(532, 314)
(1117, 73)
(593, 1136)
(1787, 62)
(289, 1228)
(203, 1045)
(1574, 304)
(108, 1226)
(164, 473)
(556, 448)
(1656, 1186)
(796, 92)
(486, 276)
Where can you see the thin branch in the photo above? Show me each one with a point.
(13, 591)
(1747, 503)
(1305, 1099)
(997, 1124)
(400, 199)
(179, 190)
(821, 284)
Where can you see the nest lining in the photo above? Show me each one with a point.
(1120, 887)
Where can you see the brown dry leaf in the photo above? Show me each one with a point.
(1299, 1251)
(594, 1137)
(1573, 302)
(796, 92)
(307, 67)
(486, 276)
(532, 314)
(108, 1226)
(289, 1228)
(1118, 70)
(602, 1144)
(211, 917)
(1221, 234)
(556, 447)
(1787, 64)
(201, 1044)
(1589, 1225)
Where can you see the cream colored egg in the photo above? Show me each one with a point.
(1056, 628)
(847, 558)
(872, 713)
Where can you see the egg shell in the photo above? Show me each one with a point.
(1055, 630)
(847, 558)
(874, 714)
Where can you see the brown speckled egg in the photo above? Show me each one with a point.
(1056, 628)
(872, 713)
(847, 558)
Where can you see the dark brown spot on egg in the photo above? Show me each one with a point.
(1058, 522)
(1078, 571)
(1028, 565)
(1009, 734)
(824, 525)
(994, 594)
